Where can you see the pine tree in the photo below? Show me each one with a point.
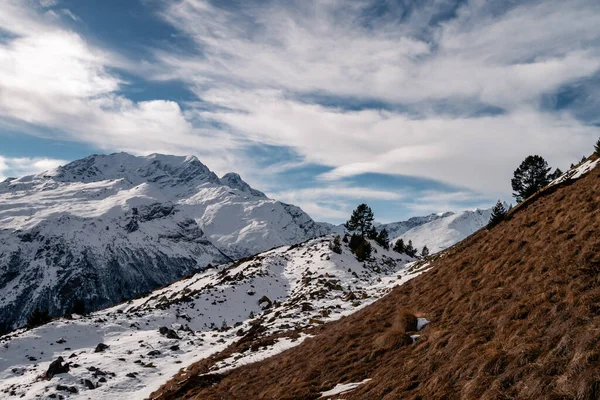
(361, 221)
(336, 245)
(399, 246)
(78, 307)
(597, 148)
(498, 215)
(425, 252)
(38, 317)
(363, 251)
(372, 233)
(410, 250)
(383, 239)
(556, 174)
(531, 176)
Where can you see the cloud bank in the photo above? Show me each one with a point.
(452, 91)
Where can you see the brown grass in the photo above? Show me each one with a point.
(515, 314)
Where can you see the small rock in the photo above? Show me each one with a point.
(56, 367)
(130, 375)
(169, 333)
(88, 384)
(174, 348)
(100, 348)
(154, 353)
(70, 389)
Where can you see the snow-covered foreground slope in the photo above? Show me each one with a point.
(106, 228)
(149, 339)
(441, 233)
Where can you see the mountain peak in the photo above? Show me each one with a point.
(235, 181)
(165, 170)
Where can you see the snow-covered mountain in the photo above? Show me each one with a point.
(398, 228)
(129, 350)
(394, 228)
(109, 227)
(446, 230)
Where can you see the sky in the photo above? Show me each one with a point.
(412, 106)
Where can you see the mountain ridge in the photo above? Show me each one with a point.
(109, 227)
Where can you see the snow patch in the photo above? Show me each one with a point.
(341, 388)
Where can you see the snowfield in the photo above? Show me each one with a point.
(441, 233)
(149, 339)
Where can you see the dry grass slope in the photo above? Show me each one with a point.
(515, 314)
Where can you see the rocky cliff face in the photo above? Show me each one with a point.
(110, 227)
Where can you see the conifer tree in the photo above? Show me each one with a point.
(363, 251)
(399, 246)
(498, 215)
(372, 233)
(410, 250)
(336, 245)
(531, 176)
(597, 148)
(556, 174)
(383, 239)
(38, 317)
(361, 221)
(425, 251)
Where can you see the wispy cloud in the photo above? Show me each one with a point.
(51, 78)
(291, 74)
(333, 202)
(254, 63)
(22, 166)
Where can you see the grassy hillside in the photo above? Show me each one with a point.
(515, 314)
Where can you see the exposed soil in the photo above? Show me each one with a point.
(515, 314)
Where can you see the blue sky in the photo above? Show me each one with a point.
(412, 107)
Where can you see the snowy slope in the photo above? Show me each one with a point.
(394, 228)
(398, 228)
(286, 289)
(109, 227)
(443, 232)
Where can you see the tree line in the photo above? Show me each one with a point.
(361, 228)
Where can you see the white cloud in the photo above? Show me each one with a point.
(22, 166)
(333, 202)
(52, 79)
(324, 46)
(479, 153)
(48, 3)
(258, 64)
(258, 58)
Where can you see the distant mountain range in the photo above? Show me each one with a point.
(446, 230)
(436, 231)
